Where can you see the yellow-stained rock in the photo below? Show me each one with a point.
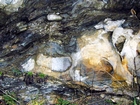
(118, 81)
(98, 53)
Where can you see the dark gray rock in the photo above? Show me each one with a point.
(54, 49)
(120, 42)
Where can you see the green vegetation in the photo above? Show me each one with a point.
(30, 73)
(110, 102)
(1, 73)
(136, 102)
(41, 75)
(36, 102)
(40, 78)
(16, 72)
(63, 102)
(28, 78)
(10, 98)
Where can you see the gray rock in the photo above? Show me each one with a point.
(29, 93)
(61, 64)
(120, 42)
(54, 49)
(28, 65)
(12, 84)
(137, 66)
(71, 46)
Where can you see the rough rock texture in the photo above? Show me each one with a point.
(11, 5)
(59, 64)
(89, 43)
(98, 54)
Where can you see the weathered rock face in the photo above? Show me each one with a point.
(11, 5)
(98, 54)
(129, 50)
(105, 4)
(89, 43)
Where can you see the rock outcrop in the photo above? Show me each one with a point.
(89, 43)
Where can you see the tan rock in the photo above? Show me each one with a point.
(59, 64)
(43, 61)
(47, 71)
(52, 66)
(98, 53)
